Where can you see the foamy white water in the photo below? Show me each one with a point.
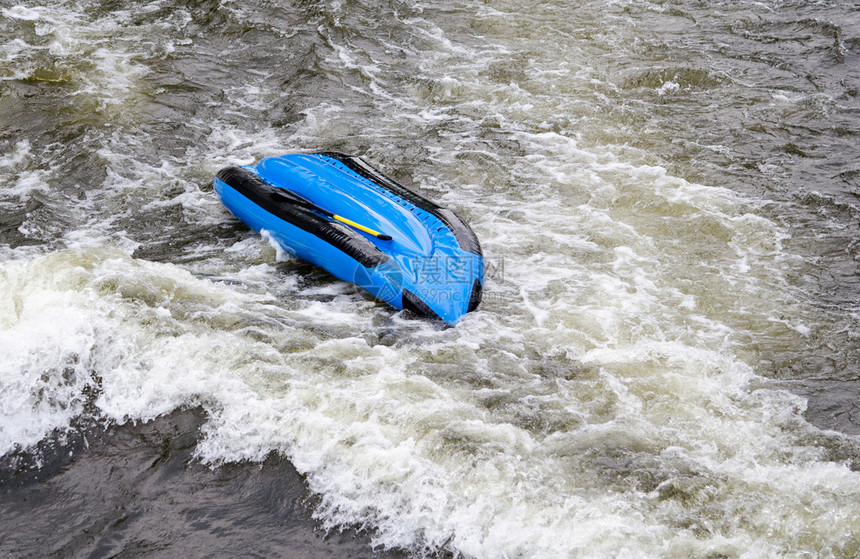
(613, 396)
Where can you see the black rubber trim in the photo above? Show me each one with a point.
(289, 207)
(475, 297)
(413, 304)
(466, 238)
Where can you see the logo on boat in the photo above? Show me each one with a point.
(444, 271)
(442, 278)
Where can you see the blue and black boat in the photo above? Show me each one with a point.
(338, 212)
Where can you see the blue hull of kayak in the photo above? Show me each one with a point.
(432, 265)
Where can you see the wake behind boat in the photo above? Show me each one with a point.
(341, 214)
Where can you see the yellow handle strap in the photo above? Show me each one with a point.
(361, 227)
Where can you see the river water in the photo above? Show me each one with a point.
(666, 360)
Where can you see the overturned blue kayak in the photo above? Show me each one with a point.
(341, 214)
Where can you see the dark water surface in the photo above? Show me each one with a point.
(137, 491)
(667, 360)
